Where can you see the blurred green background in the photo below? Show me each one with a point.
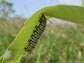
(60, 42)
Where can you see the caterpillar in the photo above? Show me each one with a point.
(37, 32)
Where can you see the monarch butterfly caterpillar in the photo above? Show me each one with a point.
(37, 32)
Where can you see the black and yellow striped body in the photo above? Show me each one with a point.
(36, 34)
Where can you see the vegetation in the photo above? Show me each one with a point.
(65, 43)
(58, 44)
(8, 31)
(6, 9)
(83, 3)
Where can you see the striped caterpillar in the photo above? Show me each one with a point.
(37, 32)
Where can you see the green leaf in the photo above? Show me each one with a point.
(82, 2)
(64, 12)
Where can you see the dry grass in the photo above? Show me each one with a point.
(58, 44)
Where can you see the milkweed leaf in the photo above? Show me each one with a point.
(64, 12)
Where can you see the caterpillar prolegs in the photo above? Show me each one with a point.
(37, 32)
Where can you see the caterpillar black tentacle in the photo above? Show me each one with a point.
(36, 34)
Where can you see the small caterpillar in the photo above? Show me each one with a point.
(36, 34)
